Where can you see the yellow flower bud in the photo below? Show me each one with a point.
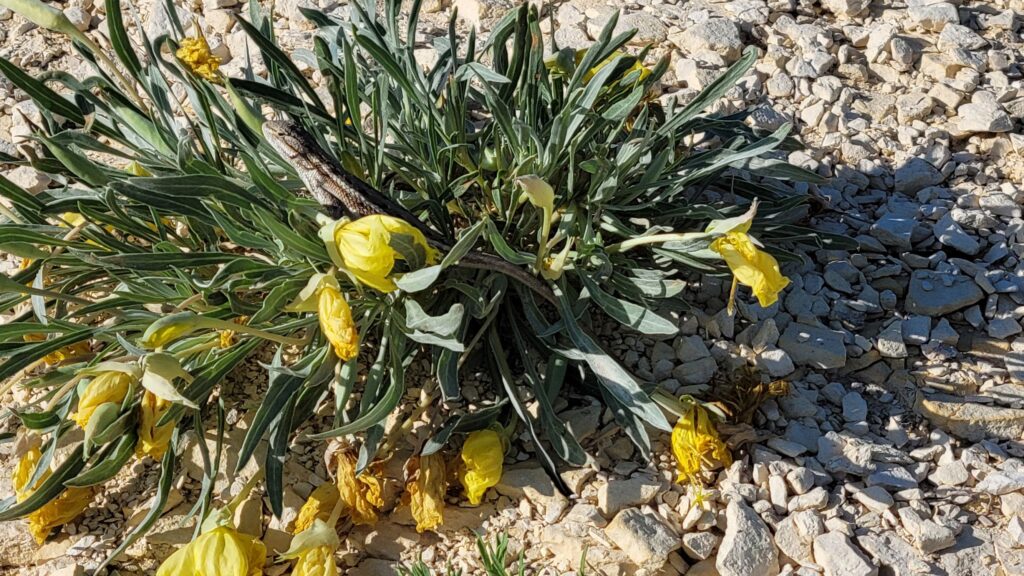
(195, 54)
(313, 549)
(482, 456)
(696, 444)
(105, 387)
(427, 487)
(222, 551)
(336, 322)
(170, 328)
(316, 561)
(318, 506)
(153, 439)
(365, 247)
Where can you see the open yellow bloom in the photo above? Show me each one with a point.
(482, 455)
(105, 387)
(366, 248)
(222, 551)
(57, 512)
(153, 439)
(751, 266)
(195, 54)
(336, 322)
(361, 493)
(318, 506)
(696, 444)
(427, 487)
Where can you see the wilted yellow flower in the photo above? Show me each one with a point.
(222, 551)
(195, 54)
(105, 387)
(751, 266)
(696, 444)
(427, 487)
(66, 353)
(336, 322)
(365, 248)
(318, 506)
(153, 439)
(482, 455)
(361, 493)
(57, 512)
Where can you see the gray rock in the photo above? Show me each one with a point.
(776, 362)
(875, 498)
(974, 422)
(814, 345)
(846, 7)
(700, 545)
(933, 17)
(889, 550)
(916, 330)
(1001, 483)
(983, 116)
(950, 474)
(915, 175)
(690, 348)
(696, 372)
(890, 342)
(839, 557)
(957, 36)
(747, 548)
(616, 495)
(895, 230)
(796, 533)
(892, 476)
(716, 35)
(855, 408)
(929, 536)
(535, 485)
(949, 233)
(643, 537)
(938, 294)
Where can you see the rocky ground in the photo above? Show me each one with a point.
(899, 447)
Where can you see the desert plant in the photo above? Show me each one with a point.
(176, 242)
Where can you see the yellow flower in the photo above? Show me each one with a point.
(427, 488)
(313, 549)
(316, 561)
(318, 506)
(222, 551)
(336, 322)
(57, 512)
(751, 266)
(551, 62)
(482, 455)
(67, 353)
(105, 387)
(366, 248)
(195, 54)
(153, 439)
(696, 444)
(361, 493)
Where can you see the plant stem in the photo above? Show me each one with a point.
(652, 239)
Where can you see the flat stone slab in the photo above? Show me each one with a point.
(814, 346)
(937, 294)
(974, 422)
